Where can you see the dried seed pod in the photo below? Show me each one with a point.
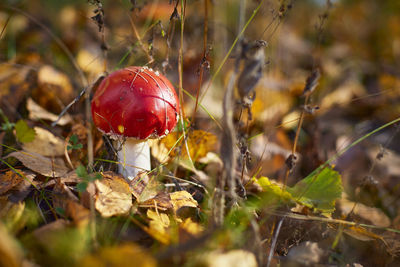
(254, 60)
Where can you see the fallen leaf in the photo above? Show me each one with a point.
(38, 113)
(23, 133)
(45, 144)
(9, 180)
(161, 201)
(360, 233)
(55, 89)
(15, 83)
(62, 194)
(22, 183)
(158, 225)
(126, 255)
(372, 215)
(79, 214)
(233, 258)
(191, 227)
(199, 143)
(182, 199)
(113, 196)
(37, 163)
(306, 253)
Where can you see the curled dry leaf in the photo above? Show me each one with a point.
(48, 167)
(17, 185)
(9, 180)
(161, 201)
(182, 199)
(113, 196)
(45, 144)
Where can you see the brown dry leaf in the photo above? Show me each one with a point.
(43, 165)
(126, 255)
(362, 234)
(45, 144)
(161, 201)
(17, 185)
(181, 199)
(15, 83)
(9, 180)
(233, 258)
(79, 214)
(11, 254)
(199, 143)
(55, 89)
(370, 214)
(43, 233)
(307, 254)
(37, 113)
(139, 183)
(113, 196)
(70, 178)
(62, 194)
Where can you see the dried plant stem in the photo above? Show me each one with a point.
(205, 34)
(239, 36)
(296, 139)
(274, 240)
(137, 35)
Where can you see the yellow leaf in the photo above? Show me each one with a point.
(126, 255)
(158, 225)
(191, 227)
(199, 143)
(182, 199)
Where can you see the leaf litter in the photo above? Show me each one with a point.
(82, 214)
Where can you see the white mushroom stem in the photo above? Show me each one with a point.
(134, 157)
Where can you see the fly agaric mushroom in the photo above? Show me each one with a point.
(132, 105)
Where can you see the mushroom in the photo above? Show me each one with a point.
(132, 105)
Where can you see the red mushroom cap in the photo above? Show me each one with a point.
(135, 102)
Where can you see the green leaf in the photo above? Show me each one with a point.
(73, 139)
(319, 191)
(60, 211)
(81, 187)
(273, 189)
(81, 172)
(24, 133)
